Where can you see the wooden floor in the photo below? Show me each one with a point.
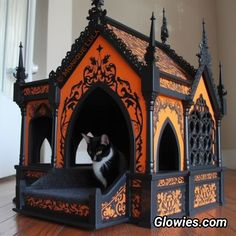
(15, 224)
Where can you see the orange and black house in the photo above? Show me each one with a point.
(164, 115)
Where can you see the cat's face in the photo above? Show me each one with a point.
(97, 147)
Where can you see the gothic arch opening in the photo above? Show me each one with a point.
(40, 140)
(168, 154)
(100, 112)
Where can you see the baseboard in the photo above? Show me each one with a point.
(8, 178)
(229, 158)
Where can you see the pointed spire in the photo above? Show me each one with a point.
(204, 35)
(164, 29)
(96, 14)
(151, 48)
(204, 55)
(222, 91)
(20, 70)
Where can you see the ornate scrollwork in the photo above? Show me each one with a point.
(205, 176)
(169, 202)
(202, 135)
(38, 109)
(34, 174)
(136, 205)
(136, 183)
(170, 181)
(36, 90)
(162, 104)
(101, 70)
(59, 206)
(174, 86)
(204, 194)
(116, 207)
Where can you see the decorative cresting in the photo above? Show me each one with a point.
(116, 207)
(101, 70)
(169, 202)
(201, 135)
(162, 104)
(36, 90)
(204, 194)
(170, 181)
(57, 206)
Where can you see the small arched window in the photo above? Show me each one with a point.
(168, 149)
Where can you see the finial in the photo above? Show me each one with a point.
(204, 35)
(221, 90)
(164, 29)
(96, 14)
(151, 49)
(20, 70)
(97, 3)
(204, 55)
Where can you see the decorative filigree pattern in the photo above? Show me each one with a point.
(204, 194)
(174, 86)
(58, 206)
(169, 202)
(38, 108)
(162, 104)
(35, 90)
(34, 174)
(136, 183)
(136, 205)
(101, 70)
(202, 135)
(116, 207)
(205, 176)
(170, 181)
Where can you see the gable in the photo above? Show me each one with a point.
(103, 66)
(202, 90)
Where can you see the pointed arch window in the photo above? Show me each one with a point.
(168, 149)
(201, 135)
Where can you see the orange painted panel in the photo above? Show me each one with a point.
(172, 109)
(102, 59)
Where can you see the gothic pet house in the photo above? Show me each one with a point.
(164, 115)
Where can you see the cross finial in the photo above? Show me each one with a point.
(164, 29)
(97, 14)
(204, 55)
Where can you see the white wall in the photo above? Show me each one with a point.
(10, 123)
(226, 19)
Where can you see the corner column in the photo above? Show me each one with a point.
(54, 97)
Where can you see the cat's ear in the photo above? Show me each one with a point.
(105, 139)
(86, 137)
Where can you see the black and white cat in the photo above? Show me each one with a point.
(108, 162)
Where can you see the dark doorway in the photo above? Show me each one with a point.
(168, 150)
(40, 129)
(100, 113)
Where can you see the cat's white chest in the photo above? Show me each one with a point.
(98, 165)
